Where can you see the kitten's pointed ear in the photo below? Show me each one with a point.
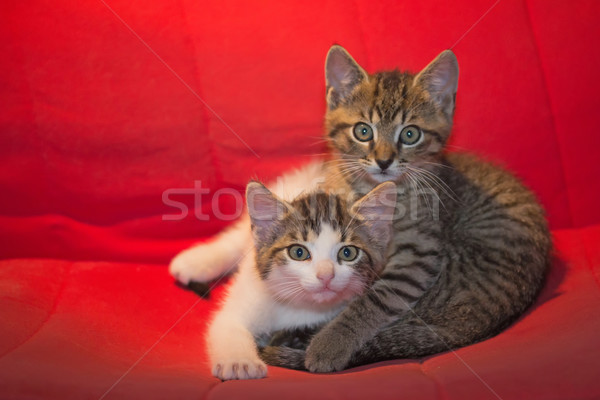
(376, 210)
(342, 75)
(264, 208)
(440, 80)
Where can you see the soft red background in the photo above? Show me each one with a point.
(105, 105)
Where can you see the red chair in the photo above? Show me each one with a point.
(114, 114)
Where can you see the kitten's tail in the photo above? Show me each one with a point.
(282, 356)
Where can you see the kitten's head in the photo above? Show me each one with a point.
(388, 123)
(319, 249)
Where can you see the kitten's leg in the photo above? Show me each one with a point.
(233, 353)
(230, 339)
(407, 339)
(220, 256)
(331, 349)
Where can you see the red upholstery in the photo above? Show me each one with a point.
(108, 104)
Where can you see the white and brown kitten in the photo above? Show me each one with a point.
(310, 257)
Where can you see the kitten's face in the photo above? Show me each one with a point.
(317, 250)
(384, 126)
(319, 267)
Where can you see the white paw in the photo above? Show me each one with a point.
(200, 264)
(242, 368)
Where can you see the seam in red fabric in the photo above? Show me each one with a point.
(51, 312)
(588, 259)
(207, 394)
(440, 389)
(552, 110)
(204, 112)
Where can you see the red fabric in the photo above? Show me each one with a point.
(108, 104)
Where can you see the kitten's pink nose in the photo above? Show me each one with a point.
(325, 272)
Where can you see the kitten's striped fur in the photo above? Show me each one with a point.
(453, 277)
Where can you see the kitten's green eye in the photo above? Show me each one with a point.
(363, 132)
(410, 135)
(298, 253)
(348, 253)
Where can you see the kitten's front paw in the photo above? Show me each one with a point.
(199, 264)
(328, 353)
(239, 369)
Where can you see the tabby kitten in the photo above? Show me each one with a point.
(311, 256)
(455, 275)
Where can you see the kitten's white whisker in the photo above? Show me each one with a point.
(423, 179)
(421, 191)
(430, 183)
(296, 294)
(428, 177)
(438, 164)
(413, 187)
(438, 182)
(314, 155)
(290, 295)
(363, 172)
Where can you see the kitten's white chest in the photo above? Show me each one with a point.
(285, 317)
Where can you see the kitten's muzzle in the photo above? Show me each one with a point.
(325, 272)
(384, 164)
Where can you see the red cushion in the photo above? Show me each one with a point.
(109, 106)
(75, 334)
